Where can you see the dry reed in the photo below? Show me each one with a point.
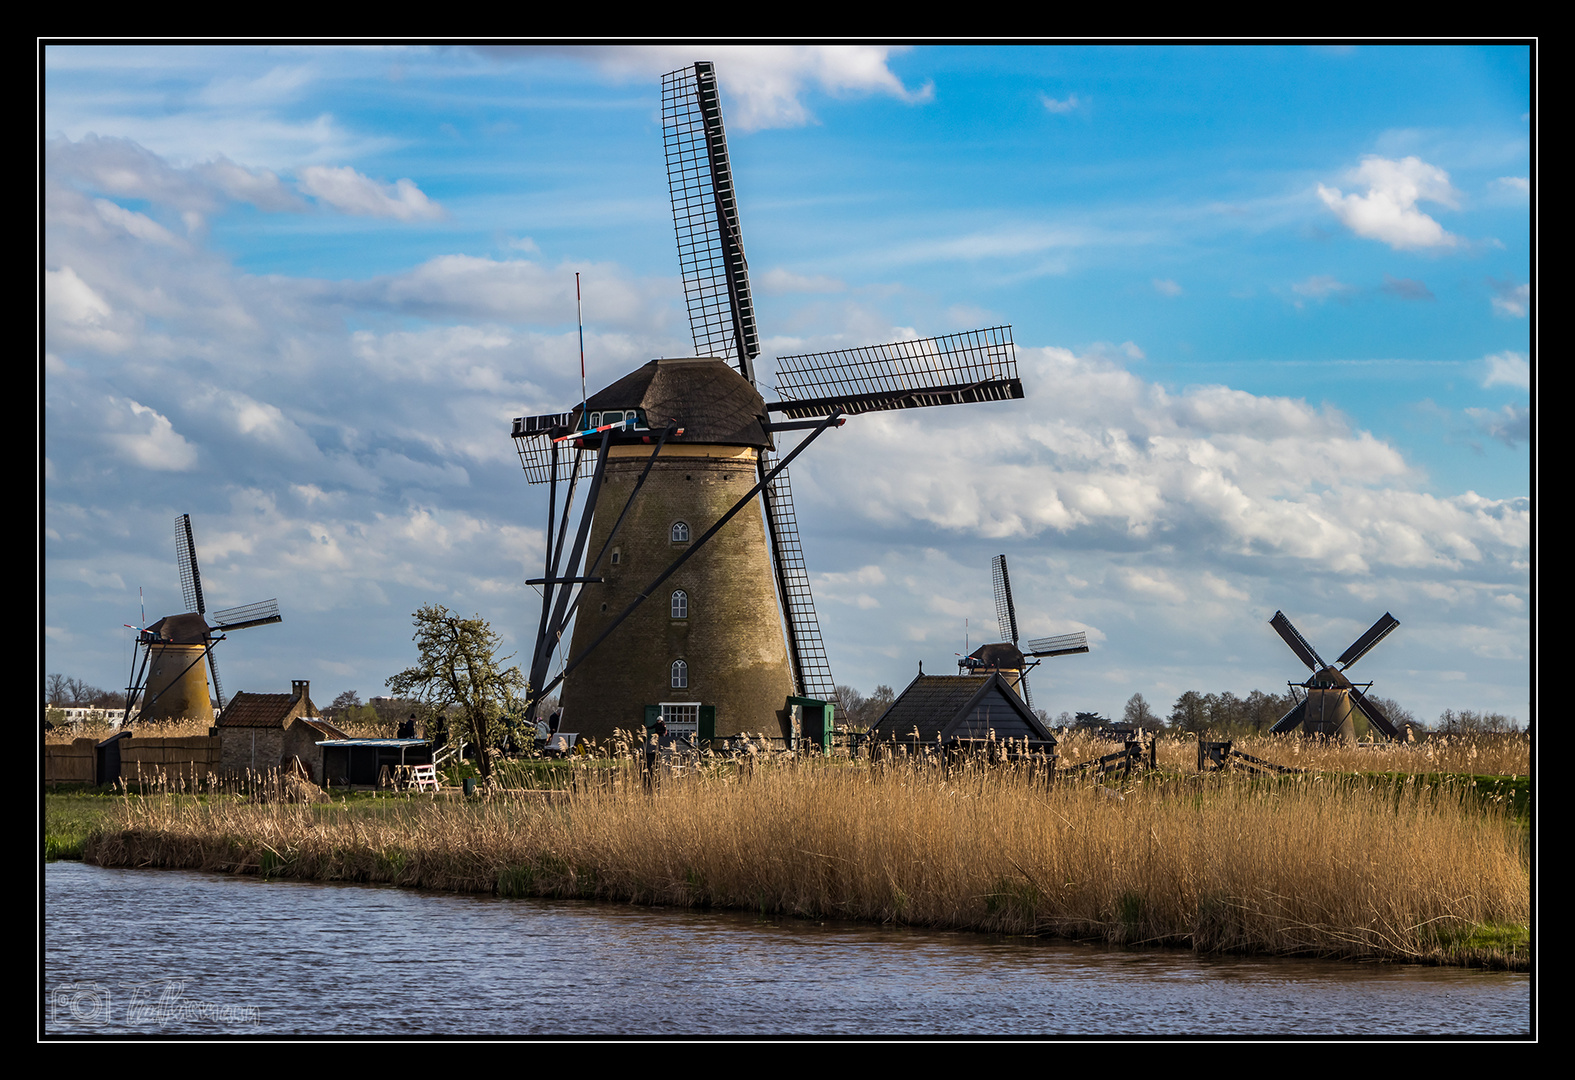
(1304, 865)
(1507, 754)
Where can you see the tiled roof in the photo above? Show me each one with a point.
(260, 710)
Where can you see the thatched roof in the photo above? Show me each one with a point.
(947, 707)
(712, 403)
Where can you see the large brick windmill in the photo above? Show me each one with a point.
(684, 578)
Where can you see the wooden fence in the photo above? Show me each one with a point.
(91, 762)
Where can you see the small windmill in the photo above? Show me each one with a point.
(1331, 698)
(1005, 656)
(740, 627)
(172, 681)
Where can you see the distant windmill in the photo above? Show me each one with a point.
(1331, 697)
(1005, 656)
(172, 682)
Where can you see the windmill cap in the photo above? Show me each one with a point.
(1001, 654)
(188, 629)
(713, 403)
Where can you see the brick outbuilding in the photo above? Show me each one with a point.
(270, 731)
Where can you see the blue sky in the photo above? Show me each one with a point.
(1272, 307)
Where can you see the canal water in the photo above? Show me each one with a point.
(182, 953)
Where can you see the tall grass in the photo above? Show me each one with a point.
(1301, 865)
(1507, 754)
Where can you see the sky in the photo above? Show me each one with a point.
(1272, 308)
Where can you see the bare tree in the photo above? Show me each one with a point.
(460, 670)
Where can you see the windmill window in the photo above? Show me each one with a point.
(617, 556)
(595, 421)
(680, 604)
(680, 675)
(680, 532)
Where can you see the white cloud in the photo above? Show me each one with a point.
(1166, 287)
(762, 85)
(1521, 185)
(74, 313)
(260, 187)
(1388, 212)
(1510, 425)
(139, 225)
(1511, 300)
(1320, 287)
(353, 193)
(1508, 369)
(1211, 472)
(777, 281)
(146, 437)
(1071, 103)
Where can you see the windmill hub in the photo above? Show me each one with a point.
(1329, 678)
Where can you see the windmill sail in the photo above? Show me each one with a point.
(1362, 645)
(722, 319)
(1059, 645)
(979, 365)
(1005, 612)
(186, 563)
(705, 215)
(248, 615)
(1293, 637)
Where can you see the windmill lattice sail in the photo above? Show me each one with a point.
(954, 369)
(705, 216)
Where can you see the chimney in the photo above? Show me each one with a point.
(302, 690)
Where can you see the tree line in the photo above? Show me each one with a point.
(67, 691)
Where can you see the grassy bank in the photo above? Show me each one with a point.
(1311, 865)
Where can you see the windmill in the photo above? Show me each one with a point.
(172, 681)
(1005, 656)
(1331, 699)
(688, 504)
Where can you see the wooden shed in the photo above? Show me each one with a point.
(958, 710)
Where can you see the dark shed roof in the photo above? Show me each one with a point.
(323, 728)
(712, 403)
(946, 707)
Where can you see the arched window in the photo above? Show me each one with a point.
(680, 604)
(680, 532)
(680, 675)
